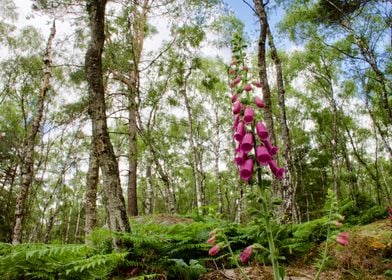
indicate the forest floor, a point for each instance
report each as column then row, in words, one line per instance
column 367, row 256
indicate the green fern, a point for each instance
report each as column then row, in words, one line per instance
column 42, row 261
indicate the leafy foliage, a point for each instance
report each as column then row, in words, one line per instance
column 39, row 261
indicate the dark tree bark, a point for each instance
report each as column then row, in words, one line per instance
column 27, row 166
column 91, row 191
column 149, row 190
column 115, row 203
column 262, row 63
column 289, row 187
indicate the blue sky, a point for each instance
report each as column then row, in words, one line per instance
column 246, row 15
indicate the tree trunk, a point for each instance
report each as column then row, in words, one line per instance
column 289, row 188
column 238, row 202
column 49, row 227
column 68, row 224
column 27, row 168
column 117, row 216
column 77, row 222
column 149, row 192
column 217, row 158
column 91, row 192
column 139, row 20
column 262, row 63
column 194, row 152
column 132, row 154
column 375, row 178
column 169, row 190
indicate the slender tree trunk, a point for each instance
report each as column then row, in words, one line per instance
column 217, row 158
column 132, row 157
column 68, row 224
column 77, row 222
column 49, row 226
column 169, row 188
column 370, row 57
column 350, row 170
column 194, row 151
column 91, row 192
column 289, row 188
column 115, row 203
column 335, row 138
column 262, row 63
column 375, row 178
column 149, row 192
column 27, row 168
column 139, row 21
column 383, row 134
column 238, row 202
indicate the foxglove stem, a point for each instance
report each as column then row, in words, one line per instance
column 325, row 253
column 234, row 258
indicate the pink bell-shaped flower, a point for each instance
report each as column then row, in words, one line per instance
column 237, row 80
column 247, row 142
column 214, row 250
column 236, row 121
column 342, row 238
column 246, row 170
column 259, row 102
column 249, row 115
column 246, row 254
column 234, row 97
column 278, row 172
column 273, row 150
column 236, row 107
column 240, row 132
column 211, row 240
column 240, row 158
column 248, row 87
column 262, row 155
column 257, row 84
column 232, row 71
column 262, row 131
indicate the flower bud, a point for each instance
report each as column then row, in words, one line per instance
column 259, row 102
column 214, row 250
column 342, row 238
column 248, row 87
column 211, row 240
column 236, row 107
column 246, row 254
column 257, row 84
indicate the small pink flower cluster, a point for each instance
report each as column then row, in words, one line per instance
column 342, row 237
column 244, row 256
column 390, row 213
column 214, row 249
column 246, row 127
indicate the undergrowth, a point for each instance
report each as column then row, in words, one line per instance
column 155, row 251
